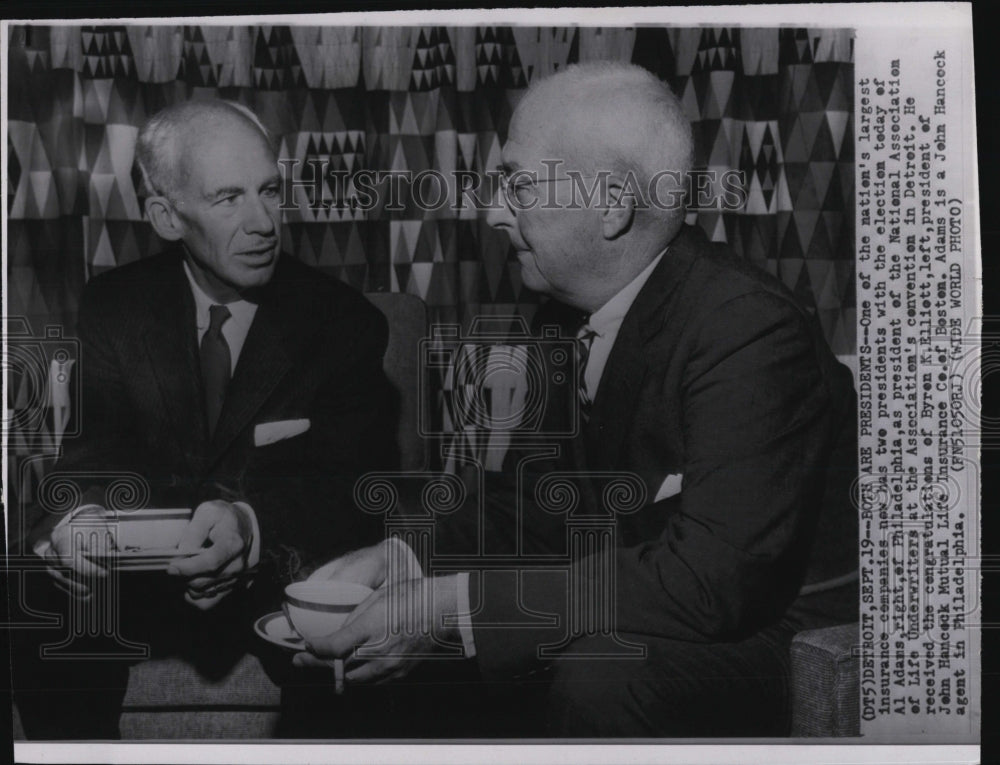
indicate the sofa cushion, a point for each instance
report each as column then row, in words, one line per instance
column 825, row 682
column 169, row 698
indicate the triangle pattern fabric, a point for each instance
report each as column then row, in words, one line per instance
column 774, row 105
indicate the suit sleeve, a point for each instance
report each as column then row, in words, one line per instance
column 109, row 446
column 306, row 511
column 756, row 420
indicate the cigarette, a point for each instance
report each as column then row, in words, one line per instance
column 338, row 676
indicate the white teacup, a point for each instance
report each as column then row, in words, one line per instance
column 319, row 608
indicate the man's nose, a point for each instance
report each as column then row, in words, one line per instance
column 499, row 214
column 260, row 217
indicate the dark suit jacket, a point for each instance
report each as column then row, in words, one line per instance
column 719, row 375
column 314, row 351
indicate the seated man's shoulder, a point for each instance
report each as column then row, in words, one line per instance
column 728, row 302
column 143, row 269
column 722, row 279
column 133, row 283
column 319, row 292
column 131, row 287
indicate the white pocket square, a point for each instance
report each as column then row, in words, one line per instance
column 269, row 432
column 670, row 487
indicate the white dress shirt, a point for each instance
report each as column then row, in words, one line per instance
column 606, row 321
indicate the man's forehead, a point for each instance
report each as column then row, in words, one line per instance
column 537, row 134
column 530, row 152
column 213, row 159
column 513, row 155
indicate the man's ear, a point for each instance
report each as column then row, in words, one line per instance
column 164, row 218
column 618, row 216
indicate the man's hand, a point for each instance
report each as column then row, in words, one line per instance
column 390, row 633
column 222, row 535
column 388, row 561
column 69, row 544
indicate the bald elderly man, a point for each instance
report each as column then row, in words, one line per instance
column 235, row 381
column 704, row 378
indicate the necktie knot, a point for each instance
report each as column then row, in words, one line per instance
column 586, row 335
column 585, row 339
column 217, row 316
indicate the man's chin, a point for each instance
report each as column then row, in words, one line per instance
column 530, row 277
column 256, row 275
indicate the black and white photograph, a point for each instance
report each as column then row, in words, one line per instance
column 539, row 377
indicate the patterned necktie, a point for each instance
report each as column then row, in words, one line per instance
column 216, row 364
column 584, row 340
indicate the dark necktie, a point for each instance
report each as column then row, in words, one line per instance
column 216, row 364
column 584, row 340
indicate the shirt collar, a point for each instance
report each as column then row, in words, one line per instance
column 609, row 316
column 241, row 311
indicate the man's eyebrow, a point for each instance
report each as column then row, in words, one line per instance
column 225, row 191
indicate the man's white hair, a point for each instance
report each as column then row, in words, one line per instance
column 158, row 147
column 634, row 122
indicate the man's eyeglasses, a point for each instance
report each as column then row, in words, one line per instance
column 517, row 187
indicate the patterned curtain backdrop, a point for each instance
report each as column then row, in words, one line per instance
column 775, row 104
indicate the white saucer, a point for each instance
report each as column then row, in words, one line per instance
column 275, row 629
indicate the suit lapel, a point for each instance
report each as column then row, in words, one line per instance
column 171, row 349
column 617, row 394
column 264, row 360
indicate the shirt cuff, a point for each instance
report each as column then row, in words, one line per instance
column 464, row 615
column 254, row 557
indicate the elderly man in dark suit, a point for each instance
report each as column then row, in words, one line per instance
column 704, row 379
column 235, row 381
